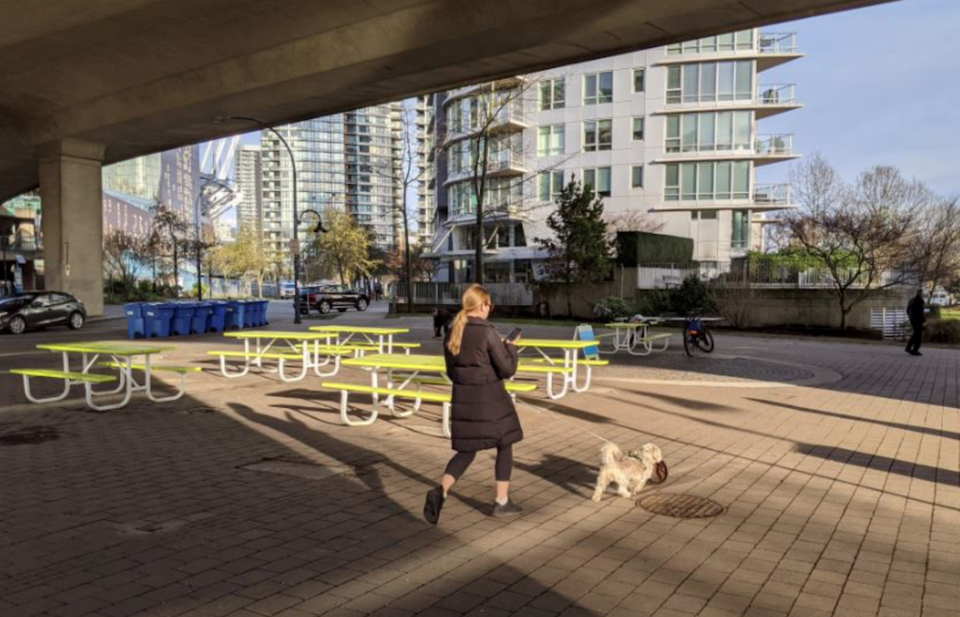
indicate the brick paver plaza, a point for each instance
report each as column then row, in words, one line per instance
column 837, row 463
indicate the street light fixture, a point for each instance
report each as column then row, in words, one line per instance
column 296, row 215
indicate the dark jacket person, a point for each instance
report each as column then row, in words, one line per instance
column 483, row 415
column 916, row 313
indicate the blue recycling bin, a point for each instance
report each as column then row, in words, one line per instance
column 218, row 319
column 262, row 311
column 201, row 317
column 158, row 318
column 233, row 320
column 249, row 313
column 182, row 318
column 135, row 324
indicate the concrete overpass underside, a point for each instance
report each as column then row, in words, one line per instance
column 88, row 82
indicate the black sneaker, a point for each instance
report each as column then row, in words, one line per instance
column 433, row 505
column 507, row 509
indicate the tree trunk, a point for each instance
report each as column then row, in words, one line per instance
column 406, row 254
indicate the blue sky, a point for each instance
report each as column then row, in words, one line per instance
column 879, row 85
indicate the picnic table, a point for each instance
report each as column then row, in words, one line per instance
column 568, row 368
column 402, row 371
column 304, row 347
column 380, row 338
column 627, row 335
column 121, row 358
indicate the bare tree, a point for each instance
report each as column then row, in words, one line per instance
column 123, row 258
column 860, row 233
column 170, row 237
column 935, row 246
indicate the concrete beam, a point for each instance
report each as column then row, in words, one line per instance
column 148, row 75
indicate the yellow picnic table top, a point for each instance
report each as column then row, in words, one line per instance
column 411, row 362
column 113, row 349
column 554, row 343
column 279, row 334
column 359, row 330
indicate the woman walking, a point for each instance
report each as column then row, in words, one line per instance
column 483, row 416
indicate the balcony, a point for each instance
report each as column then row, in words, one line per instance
column 499, row 164
column 774, row 48
column 773, row 148
column 772, row 196
column 510, row 119
column 775, row 98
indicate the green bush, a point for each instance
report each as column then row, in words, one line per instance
column 690, row 297
column 945, row 331
column 656, row 302
column 611, row 308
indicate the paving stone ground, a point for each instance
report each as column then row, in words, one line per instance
column 838, row 465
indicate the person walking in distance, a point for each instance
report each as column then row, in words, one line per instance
column 441, row 321
column 916, row 313
column 483, row 415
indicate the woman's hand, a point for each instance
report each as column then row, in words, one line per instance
column 512, row 342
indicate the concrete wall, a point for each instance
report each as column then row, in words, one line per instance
column 816, row 308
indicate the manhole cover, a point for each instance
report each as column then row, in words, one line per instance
column 29, row 435
column 680, row 506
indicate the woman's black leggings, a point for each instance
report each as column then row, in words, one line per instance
column 461, row 460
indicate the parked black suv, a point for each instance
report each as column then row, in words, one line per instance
column 37, row 309
column 325, row 298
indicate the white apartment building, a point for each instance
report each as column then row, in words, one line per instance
column 670, row 137
column 249, row 175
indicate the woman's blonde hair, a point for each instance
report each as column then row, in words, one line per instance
column 473, row 298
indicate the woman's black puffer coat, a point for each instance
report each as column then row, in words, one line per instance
column 483, row 415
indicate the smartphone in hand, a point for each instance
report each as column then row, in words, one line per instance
column 514, row 336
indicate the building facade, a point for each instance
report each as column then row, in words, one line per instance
column 349, row 162
column 669, row 137
column 21, row 244
column 250, row 187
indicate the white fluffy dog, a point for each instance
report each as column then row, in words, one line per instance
column 630, row 471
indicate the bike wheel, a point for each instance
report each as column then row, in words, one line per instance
column 689, row 343
column 705, row 341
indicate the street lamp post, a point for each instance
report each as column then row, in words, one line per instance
column 296, row 216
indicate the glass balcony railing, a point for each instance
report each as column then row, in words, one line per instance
column 771, row 194
column 777, row 43
column 776, row 94
column 774, row 145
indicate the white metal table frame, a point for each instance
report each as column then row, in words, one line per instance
column 122, row 359
column 627, row 335
column 571, row 351
column 310, row 359
column 375, row 364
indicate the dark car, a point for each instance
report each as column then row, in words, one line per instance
column 37, row 309
column 325, row 298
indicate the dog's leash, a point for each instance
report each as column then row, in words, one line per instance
column 562, row 419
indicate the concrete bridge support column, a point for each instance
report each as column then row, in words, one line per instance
column 71, row 194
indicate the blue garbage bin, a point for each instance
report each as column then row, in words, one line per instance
column 158, row 318
column 201, row 317
column 249, row 314
column 135, row 325
column 262, row 311
column 218, row 319
column 182, row 318
column 233, row 319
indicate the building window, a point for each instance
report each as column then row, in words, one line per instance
column 597, row 135
column 550, row 140
column 550, row 185
column 639, row 77
column 740, row 41
column 599, row 179
column 598, row 88
column 636, row 177
column 638, row 129
column 709, row 132
column 707, row 181
column 741, row 229
column 552, row 95
column 710, row 82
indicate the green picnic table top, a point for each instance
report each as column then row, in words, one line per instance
column 554, row 343
column 113, row 349
column 279, row 334
column 359, row 330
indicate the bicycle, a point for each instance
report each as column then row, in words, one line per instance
column 696, row 336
